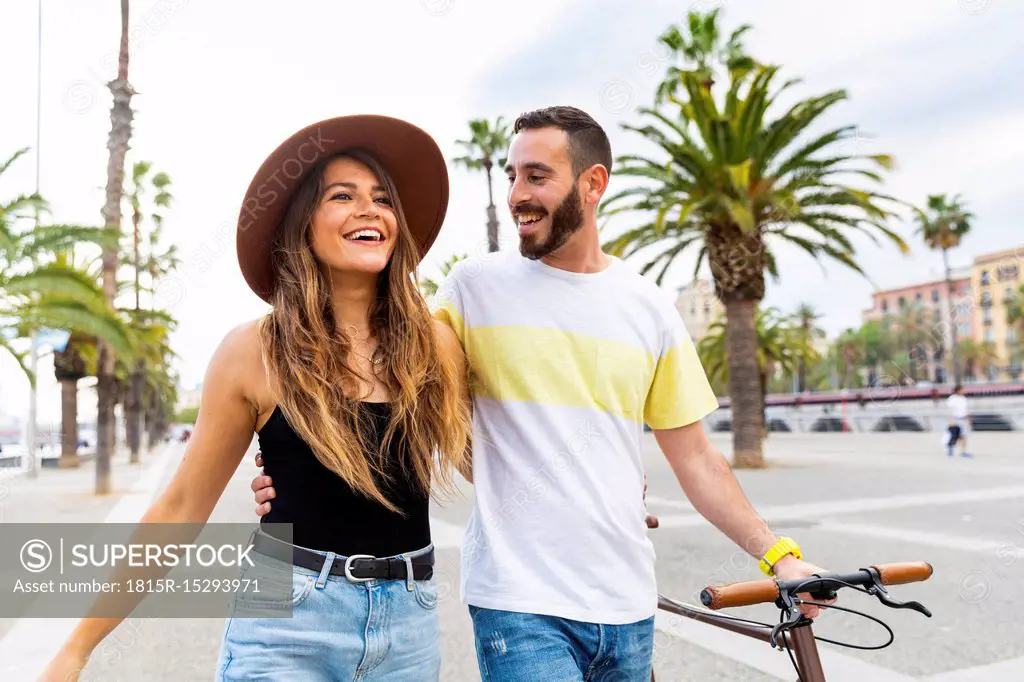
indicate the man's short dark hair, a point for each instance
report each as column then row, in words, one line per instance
column 588, row 143
column 958, row 388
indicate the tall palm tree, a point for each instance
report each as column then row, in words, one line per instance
column 162, row 198
column 700, row 46
column 943, row 225
column 806, row 317
column 120, row 135
column 485, row 148
column 159, row 385
column 732, row 181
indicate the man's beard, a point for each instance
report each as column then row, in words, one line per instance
column 565, row 222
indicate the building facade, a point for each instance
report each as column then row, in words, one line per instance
column 936, row 312
column 995, row 279
column 699, row 307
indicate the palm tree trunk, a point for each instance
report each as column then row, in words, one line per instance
column 133, row 413
column 954, row 321
column 136, row 219
column 117, row 144
column 492, row 214
column 745, row 393
column 68, row 424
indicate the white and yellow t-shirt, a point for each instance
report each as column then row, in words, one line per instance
column 565, row 370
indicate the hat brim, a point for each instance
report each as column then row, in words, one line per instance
column 408, row 153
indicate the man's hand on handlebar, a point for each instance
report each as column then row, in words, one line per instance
column 791, row 568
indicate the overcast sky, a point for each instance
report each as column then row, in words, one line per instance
column 220, row 84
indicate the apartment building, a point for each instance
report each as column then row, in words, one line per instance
column 995, row 279
column 699, row 307
column 936, row 311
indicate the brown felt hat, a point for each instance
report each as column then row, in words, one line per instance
column 409, row 154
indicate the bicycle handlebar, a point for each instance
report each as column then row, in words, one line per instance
column 765, row 591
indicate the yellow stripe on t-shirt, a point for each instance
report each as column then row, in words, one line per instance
column 449, row 314
column 554, row 367
column 680, row 393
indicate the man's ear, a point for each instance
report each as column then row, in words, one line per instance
column 595, row 182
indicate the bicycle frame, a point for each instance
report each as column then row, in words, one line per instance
column 800, row 639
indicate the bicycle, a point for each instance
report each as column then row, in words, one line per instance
column 794, row 632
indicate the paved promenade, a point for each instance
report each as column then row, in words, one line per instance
column 850, row 499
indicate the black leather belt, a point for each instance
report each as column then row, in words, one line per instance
column 357, row 567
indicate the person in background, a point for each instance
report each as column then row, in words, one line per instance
column 959, row 424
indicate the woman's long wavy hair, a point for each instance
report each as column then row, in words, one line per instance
column 306, row 356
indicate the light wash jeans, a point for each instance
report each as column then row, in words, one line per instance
column 514, row 646
column 338, row 630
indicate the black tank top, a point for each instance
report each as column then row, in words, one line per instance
column 326, row 514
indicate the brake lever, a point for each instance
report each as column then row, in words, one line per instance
column 796, row 618
column 878, row 590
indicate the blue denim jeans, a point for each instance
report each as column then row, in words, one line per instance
column 514, row 646
column 337, row 630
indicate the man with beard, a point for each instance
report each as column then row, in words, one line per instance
column 571, row 352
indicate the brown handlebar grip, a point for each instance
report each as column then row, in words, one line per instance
column 900, row 574
column 739, row 594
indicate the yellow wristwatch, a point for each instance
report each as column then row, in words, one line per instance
column 780, row 549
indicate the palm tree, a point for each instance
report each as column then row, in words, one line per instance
column 161, row 199
column 486, row 147
column 780, row 346
column 429, row 286
column 160, row 394
column 806, row 316
column 978, row 357
column 912, row 336
column 72, row 364
column 117, row 143
column 701, row 46
column 39, row 286
column 879, row 343
column 731, row 181
column 1015, row 321
column 51, row 289
column 942, row 226
column 849, row 354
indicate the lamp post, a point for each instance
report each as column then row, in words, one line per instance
column 34, row 350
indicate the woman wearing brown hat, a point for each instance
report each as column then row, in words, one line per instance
column 359, row 401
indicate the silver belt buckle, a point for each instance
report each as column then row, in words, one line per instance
column 348, row 567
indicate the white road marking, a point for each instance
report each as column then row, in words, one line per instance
column 29, row 646
column 923, row 538
column 760, row 656
column 865, row 504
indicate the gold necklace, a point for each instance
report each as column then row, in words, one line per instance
column 375, row 360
